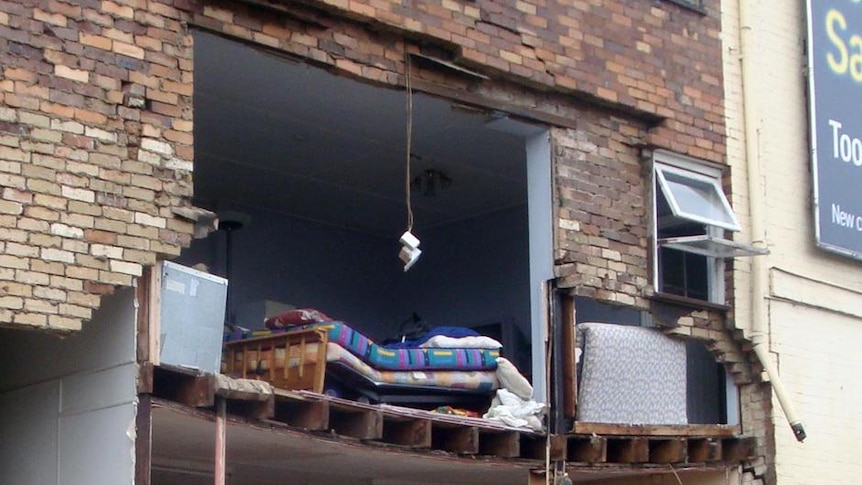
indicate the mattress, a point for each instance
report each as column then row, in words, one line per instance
column 336, row 354
column 631, row 375
column 396, row 359
column 474, row 380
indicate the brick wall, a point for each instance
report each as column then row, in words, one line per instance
column 96, row 147
column 95, row 152
column 96, row 117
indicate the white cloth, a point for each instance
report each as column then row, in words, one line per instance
column 475, row 342
column 514, row 405
column 511, row 410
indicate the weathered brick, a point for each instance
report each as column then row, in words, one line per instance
column 32, row 278
column 65, row 324
column 15, row 289
column 51, row 254
column 18, row 249
column 31, row 319
column 73, row 74
column 47, row 267
column 11, row 207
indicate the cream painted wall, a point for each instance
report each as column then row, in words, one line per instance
column 821, row 363
column 814, row 319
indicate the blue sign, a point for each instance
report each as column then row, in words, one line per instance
column 835, row 94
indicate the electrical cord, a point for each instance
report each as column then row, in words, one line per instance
column 407, row 187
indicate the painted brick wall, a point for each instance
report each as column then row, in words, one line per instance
column 813, row 317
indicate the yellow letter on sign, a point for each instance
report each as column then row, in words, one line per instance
column 834, row 17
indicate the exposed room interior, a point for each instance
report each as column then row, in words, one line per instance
column 308, row 169
column 314, row 165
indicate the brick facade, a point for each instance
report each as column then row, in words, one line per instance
column 96, row 120
column 95, row 152
column 96, row 126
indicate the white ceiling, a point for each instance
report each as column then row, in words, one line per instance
column 286, row 136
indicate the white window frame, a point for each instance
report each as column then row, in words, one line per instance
column 663, row 170
column 712, row 245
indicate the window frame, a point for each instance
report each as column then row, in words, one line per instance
column 694, row 5
column 700, row 172
column 662, row 169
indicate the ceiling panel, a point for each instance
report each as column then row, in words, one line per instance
column 292, row 138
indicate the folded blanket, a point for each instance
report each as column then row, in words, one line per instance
column 444, row 342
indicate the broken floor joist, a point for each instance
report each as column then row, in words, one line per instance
column 658, row 449
column 417, row 429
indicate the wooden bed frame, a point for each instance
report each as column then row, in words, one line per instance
column 309, row 369
column 307, row 374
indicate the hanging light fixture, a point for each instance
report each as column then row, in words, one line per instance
column 431, row 182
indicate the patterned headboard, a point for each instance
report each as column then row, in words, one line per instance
column 631, row 375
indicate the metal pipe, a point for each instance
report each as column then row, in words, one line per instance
column 759, row 336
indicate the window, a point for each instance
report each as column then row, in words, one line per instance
column 692, row 217
column 696, row 5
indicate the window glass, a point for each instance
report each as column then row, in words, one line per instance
column 695, row 197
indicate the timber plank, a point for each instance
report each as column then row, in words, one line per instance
column 306, row 414
column 144, row 379
column 186, row 386
column 463, row 440
column 144, row 440
column 198, row 391
column 738, row 449
column 588, row 449
column 415, row 433
column 535, row 447
column 628, row 450
column 570, row 378
column 252, row 409
column 363, row 424
column 668, row 450
column 728, row 430
column 505, row 444
column 702, row 450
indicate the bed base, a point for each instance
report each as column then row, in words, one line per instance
column 307, row 364
column 263, row 358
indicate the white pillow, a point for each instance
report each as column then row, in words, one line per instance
column 512, row 380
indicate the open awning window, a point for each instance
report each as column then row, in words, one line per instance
column 695, row 197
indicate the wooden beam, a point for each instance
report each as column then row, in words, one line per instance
column 628, row 450
column 738, row 449
column 702, row 450
column 588, row 449
column 505, row 444
column 570, row 379
column 142, row 322
column 186, row 386
column 144, row 440
column 667, row 450
column 463, row 440
column 559, row 447
column 415, row 433
column 310, row 415
column 581, row 427
column 363, row 424
column 154, row 310
column 197, row 391
column 257, row 410
column 144, row 380
column 533, row 447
